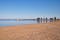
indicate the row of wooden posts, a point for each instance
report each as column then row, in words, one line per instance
column 40, row 20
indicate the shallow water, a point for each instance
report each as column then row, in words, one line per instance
column 21, row 22
column 11, row 23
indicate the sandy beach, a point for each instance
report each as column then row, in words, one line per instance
column 43, row 31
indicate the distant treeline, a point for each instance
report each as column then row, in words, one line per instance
column 37, row 19
column 42, row 20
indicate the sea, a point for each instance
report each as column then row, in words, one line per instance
column 14, row 22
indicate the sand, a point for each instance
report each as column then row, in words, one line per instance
column 43, row 31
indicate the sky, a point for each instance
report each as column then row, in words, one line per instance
column 29, row 8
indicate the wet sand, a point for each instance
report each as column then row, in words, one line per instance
column 43, row 31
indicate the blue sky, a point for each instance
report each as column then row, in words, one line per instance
column 29, row 8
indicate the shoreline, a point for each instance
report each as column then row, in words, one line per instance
column 26, row 24
column 44, row 31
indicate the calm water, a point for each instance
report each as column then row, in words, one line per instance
column 12, row 23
